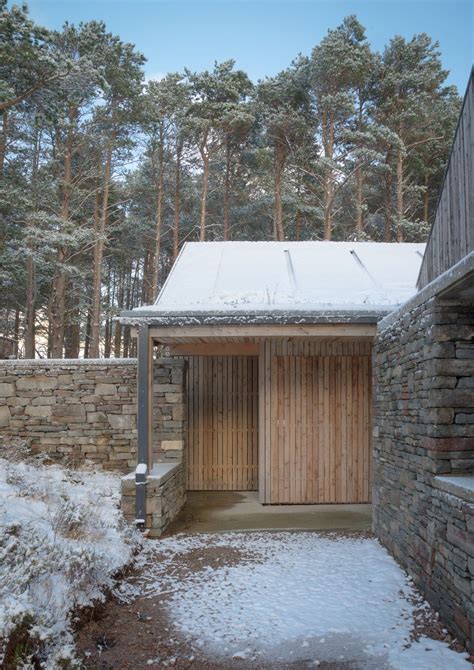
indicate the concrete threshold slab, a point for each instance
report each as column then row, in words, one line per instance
column 221, row 511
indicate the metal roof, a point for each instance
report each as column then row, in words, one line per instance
column 284, row 282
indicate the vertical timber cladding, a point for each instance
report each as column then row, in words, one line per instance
column 315, row 404
column 222, row 423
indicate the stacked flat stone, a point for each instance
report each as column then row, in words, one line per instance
column 85, row 410
column 424, row 427
column 165, row 497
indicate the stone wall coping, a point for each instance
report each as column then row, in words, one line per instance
column 159, row 473
column 65, row 362
column 442, row 283
column 82, row 362
column 461, row 486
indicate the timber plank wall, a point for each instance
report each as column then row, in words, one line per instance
column 294, row 422
column 315, row 421
column 452, row 233
column 222, row 423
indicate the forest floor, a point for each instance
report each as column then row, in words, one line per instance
column 298, row 600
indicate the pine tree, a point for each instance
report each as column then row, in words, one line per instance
column 216, row 104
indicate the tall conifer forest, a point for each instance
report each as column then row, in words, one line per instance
column 104, row 175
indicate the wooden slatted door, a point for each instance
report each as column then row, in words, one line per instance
column 222, row 450
column 319, row 430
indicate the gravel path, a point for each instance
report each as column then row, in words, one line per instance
column 268, row 600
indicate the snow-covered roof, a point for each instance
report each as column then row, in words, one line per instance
column 230, row 278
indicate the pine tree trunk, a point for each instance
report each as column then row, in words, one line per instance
column 147, row 287
column 227, row 193
column 57, row 308
column 298, row 218
column 72, row 344
column 30, row 308
column 158, row 218
column 99, row 254
column 400, row 203
column 328, row 143
column 30, row 312
column 387, row 232
column 328, row 205
column 177, row 202
column 126, row 341
column 3, row 141
column 359, row 171
column 359, row 198
column 279, row 166
column 16, row 331
column 108, row 323
column 135, row 285
column 426, row 201
column 204, row 192
column 107, row 337
column 117, row 340
column 128, row 305
column 72, row 332
column 58, row 289
column 118, row 326
column 87, row 337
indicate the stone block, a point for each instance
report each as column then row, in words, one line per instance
column 178, row 413
column 97, row 417
column 5, row 415
column 461, row 539
column 464, row 418
column 174, row 445
column 466, row 383
column 20, row 402
column 7, row 390
column 105, row 389
column 458, row 397
column 167, row 388
column 37, row 383
column 38, row 410
column 68, row 413
column 174, row 397
column 121, row 421
column 44, row 400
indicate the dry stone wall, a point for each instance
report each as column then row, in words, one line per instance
column 78, row 410
column 165, row 497
column 423, row 428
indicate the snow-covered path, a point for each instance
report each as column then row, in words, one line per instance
column 286, row 597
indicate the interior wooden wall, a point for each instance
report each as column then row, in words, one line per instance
column 222, row 423
column 315, row 423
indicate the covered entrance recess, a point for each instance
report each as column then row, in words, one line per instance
column 277, row 339
column 287, row 416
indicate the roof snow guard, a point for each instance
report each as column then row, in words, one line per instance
column 283, row 283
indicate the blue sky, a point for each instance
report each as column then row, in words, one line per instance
column 263, row 36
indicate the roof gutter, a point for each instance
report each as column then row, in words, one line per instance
column 290, row 317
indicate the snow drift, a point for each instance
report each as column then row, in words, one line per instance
column 62, row 540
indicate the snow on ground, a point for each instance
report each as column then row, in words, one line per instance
column 62, row 539
column 294, row 596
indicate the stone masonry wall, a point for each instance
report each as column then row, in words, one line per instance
column 423, row 427
column 165, row 497
column 77, row 410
